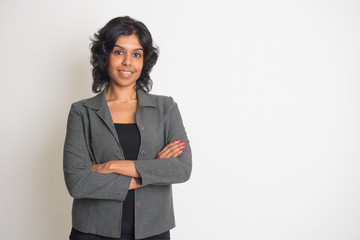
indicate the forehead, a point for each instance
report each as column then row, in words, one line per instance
column 131, row 41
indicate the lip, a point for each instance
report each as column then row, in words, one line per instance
column 125, row 73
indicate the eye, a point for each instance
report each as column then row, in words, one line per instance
column 137, row 55
column 118, row 52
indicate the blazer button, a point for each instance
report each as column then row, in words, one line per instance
column 142, row 153
column 138, row 204
column 142, row 128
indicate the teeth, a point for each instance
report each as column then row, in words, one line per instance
column 125, row 72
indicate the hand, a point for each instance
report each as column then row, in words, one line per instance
column 134, row 184
column 173, row 149
column 101, row 168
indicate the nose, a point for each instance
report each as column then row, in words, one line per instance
column 127, row 60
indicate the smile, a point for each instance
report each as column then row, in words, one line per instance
column 125, row 73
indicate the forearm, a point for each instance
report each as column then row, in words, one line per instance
column 165, row 171
column 84, row 184
column 124, row 167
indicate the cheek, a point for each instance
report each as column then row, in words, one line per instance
column 140, row 65
column 110, row 67
column 112, row 62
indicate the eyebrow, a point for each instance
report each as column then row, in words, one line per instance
column 124, row 48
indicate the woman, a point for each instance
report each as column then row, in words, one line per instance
column 124, row 147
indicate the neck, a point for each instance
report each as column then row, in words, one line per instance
column 122, row 94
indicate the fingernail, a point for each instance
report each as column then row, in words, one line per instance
column 181, row 150
column 177, row 140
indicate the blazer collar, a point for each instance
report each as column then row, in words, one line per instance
column 99, row 101
column 99, row 104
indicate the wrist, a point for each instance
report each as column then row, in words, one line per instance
column 110, row 165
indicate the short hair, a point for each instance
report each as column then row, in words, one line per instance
column 103, row 43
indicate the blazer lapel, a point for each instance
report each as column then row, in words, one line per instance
column 99, row 104
column 104, row 114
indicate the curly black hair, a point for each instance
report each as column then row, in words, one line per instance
column 103, row 43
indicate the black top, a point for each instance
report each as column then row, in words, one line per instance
column 129, row 138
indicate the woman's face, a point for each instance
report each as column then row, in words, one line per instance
column 126, row 61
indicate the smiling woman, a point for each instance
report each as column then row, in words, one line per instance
column 126, row 61
column 124, row 148
column 105, row 43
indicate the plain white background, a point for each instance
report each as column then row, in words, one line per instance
column 270, row 96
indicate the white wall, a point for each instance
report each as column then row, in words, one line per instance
column 270, row 96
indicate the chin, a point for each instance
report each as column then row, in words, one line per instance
column 122, row 83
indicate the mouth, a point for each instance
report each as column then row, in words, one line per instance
column 125, row 73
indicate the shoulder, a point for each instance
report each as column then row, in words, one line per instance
column 96, row 102
column 162, row 101
column 80, row 105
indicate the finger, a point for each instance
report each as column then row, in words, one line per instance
column 176, row 147
column 168, row 151
column 169, row 146
column 93, row 167
column 174, row 152
column 178, row 151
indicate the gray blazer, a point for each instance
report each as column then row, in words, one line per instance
column 91, row 138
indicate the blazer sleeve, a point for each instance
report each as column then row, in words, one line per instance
column 80, row 181
column 168, row 170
